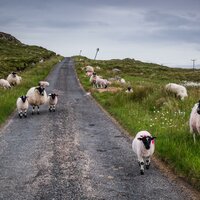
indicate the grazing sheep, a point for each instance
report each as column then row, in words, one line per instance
column 43, row 84
column 52, row 101
column 5, row 84
column 89, row 69
column 143, row 145
column 102, row 83
column 14, row 79
column 36, row 96
column 129, row 90
column 179, row 90
column 22, row 106
column 194, row 121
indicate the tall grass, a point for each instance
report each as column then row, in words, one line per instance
column 150, row 108
column 30, row 78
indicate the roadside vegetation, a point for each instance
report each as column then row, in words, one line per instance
column 151, row 108
column 23, row 59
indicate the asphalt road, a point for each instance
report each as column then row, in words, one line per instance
column 75, row 153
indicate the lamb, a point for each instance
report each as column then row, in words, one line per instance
column 143, row 145
column 52, row 101
column 43, row 84
column 5, row 84
column 36, row 96
column 22, row 106
column 179, row 90
column 194, row 121
column 14, row 79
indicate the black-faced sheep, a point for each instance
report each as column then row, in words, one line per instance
column 52, row 101
column 14, row 79
column 143, row 145
column 36, row 96
column 22, row 106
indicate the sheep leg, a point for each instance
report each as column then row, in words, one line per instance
column 25, row 114
column 194, row 138
column 20, row 114
column 33, row 110
column 54, row 108
column 38, row 111
column 141, row 164
column 148, row 161
column 50, row 108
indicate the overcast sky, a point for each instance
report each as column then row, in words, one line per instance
column 160, row 31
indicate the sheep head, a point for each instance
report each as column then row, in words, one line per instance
column 146, row 141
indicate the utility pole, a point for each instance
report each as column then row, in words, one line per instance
column 96, row 53
column 80, row 52
column 193, row 61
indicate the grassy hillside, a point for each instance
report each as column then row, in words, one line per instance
column 16, row 56
column 151, row 108
column 23, row 59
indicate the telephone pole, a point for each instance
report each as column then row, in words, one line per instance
column 96, row 53
column 193, row 61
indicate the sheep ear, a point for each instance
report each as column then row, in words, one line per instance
column 140, row 138
column 152, row 138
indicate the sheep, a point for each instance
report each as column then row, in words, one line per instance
column 179, row 90
column 14, row 79
column 36, row 96
column 43, row 84
column 102, row 83
column 52, row 101
column 129, row 90
column 22, row 106
column 5, row 84
column 194, row 121
column 143, row 145
column 89, row 74
column 122, row 81
column 89, row 69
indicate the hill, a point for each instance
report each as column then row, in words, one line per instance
column 16, row 56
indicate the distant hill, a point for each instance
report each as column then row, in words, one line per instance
column 8, row 37
column 16, row 56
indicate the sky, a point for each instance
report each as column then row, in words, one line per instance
column 166, row 32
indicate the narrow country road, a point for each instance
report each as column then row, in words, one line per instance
column 75, row 153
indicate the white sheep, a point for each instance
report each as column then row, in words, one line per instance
column 143, row 145
column 52, row 101
column 89, row 69
column 102, row 83
column 194, row 121
column 5, row 84
column 14, row 79
column 43, row 84
column 122, row 81
column 36, row 96
column 22, row 106
column 178, row 90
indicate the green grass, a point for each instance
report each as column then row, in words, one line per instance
column 150, row 108
column 15, row 56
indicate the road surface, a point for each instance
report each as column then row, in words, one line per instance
column 75, row 153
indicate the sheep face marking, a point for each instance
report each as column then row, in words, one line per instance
column 146, row 141
column 23, row 98
column 40, row 90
